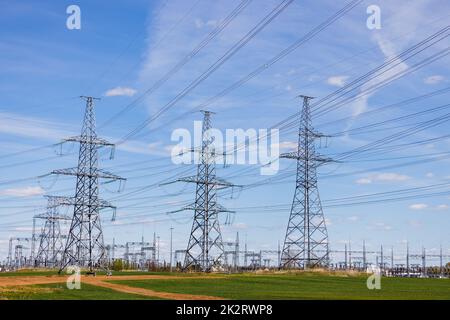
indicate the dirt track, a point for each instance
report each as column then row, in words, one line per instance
column 101, row 281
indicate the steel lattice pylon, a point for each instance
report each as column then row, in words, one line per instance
column 51, row 244
column 306, row 240
column 205, row 248
column 85, row 246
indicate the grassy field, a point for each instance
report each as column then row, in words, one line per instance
column 242, row 286
column 302, row 286
column 60, row 292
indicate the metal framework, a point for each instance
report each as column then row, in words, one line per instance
column 306, row 240
column 85, row 246
column 205, row 249
column 16, row 257
column 51, row 244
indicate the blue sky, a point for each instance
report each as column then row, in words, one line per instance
column 124, row 47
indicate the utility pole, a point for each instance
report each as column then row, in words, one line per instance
column 113, row 249
column 236, row 251
column 364, row 255
column 157, row 259
column 382, row 260
column 85, row 246
column 407, row 258
column 345, row 257
column 171, row 235
column 349, row 254
column 154, row 248
column 424, row 265
column 279, row 253
column 245, row 251
column 306, row 240
column 33, row 243
column 392, row 258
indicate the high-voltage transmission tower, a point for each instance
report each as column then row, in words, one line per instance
column 306, row 240
column 85, row 246
column 51, row 239
column 205, row 248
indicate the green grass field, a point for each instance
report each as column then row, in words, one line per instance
column 242, row 286
column 60, row 292
column 301, row 286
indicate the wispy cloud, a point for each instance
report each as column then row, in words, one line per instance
column 23, row 192
column 199, row 23
column 240, row 225
column 383, row 177
column 337, row 81
column 418, row 206
column 154, row 148
column 381, row 226
column 433, row 79
column 121, row 91
column 18, row 125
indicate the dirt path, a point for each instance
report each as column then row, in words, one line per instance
column 29, row 280
column 101, row 281
column 145, row 292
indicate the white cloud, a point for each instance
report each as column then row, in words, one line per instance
column 364, row 181
column 23, row 192
column 291, row 72
column 383, row 177
column 382, row 226
column 138, row 147
column 199, row 23
column 442, row 207
column 418, row 206
column 120, row 91
column 433, row 79
column 353, row 218
column 38, row 128
column 240, row 225
column 285, row 146
column 415, row 223
column 338, row 81
column 391, row 177
column 430, row 175
column 23, row 229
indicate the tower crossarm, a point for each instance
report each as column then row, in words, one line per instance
column 213, row 182
column 316, row 158
column 53, row 217
column 71, row 201
column 56, row 201
column 218, row 209
column 90, row 140
column 102, row 174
